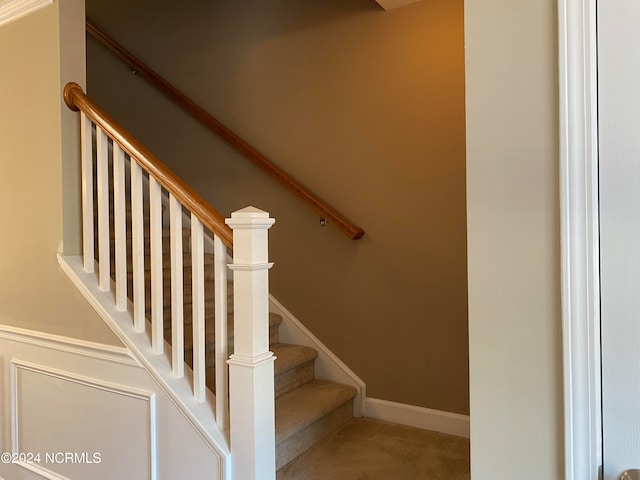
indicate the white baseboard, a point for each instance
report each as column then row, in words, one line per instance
column 419, row 417
column 328, row 366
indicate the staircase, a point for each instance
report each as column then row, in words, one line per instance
column 306, row 408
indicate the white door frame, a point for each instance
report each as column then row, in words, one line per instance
column 580, row 233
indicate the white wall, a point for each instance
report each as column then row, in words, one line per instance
column 513, row 240
column 36, row 53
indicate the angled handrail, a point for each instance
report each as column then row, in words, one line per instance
column 326, row 212
column 77, row 100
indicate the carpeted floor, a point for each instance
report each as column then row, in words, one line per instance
column 366, row 449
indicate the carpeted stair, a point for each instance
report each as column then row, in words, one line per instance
column 307, row 409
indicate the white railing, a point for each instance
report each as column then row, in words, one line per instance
column 125, row 190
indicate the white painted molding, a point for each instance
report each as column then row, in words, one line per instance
column 11, row 10
column 88, row 382
column 327, row 366
column 391, row 4
column 41, row 472
column 419, row 417
column 75, row 346
column 15, row 471
column 580, row 232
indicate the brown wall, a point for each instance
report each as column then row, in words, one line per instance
column 363, row 106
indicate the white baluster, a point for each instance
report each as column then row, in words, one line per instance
column 137, row 246
column 221, row 335
column 120, row 228
column 251, row 388
column 155, row 232
column 104, row 261
column 87, row 193
column 197, row 305
column 177, row 302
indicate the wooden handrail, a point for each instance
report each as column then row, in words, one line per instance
column 326, row 212
column 77, row 100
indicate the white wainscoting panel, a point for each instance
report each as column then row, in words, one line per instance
column 60, row 395
column 77, row 424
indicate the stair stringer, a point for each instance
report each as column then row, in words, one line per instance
column 327, row 365
column 201, row 416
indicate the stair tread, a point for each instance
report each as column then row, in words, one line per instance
column 289, row 356
column 308, row 403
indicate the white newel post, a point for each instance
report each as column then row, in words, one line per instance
column 251, row 390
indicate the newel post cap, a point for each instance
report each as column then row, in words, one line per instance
column 250, row 217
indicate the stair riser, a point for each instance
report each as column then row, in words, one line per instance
column 292, row 447
column 293, row 378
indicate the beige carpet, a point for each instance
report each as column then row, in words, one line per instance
column 366, row 449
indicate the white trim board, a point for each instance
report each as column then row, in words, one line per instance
column 69, row 345
column 89, row 382
column 580, row 232
column 11, row 10
column 17, row 471
column 419, row 417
